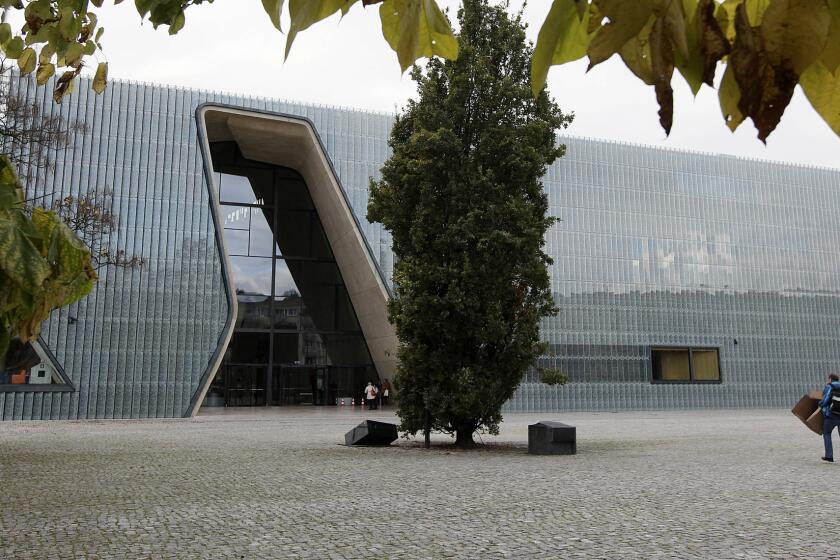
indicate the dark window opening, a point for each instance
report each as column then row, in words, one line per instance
column 685, row 365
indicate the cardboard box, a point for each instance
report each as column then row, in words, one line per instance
column 805, row 407
column 809, row 412
column 815, row 422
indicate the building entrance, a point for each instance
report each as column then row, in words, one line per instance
column 297, row 340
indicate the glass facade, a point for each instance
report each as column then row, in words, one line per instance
column 660, row 248
column 728, row 259
column 296, row 338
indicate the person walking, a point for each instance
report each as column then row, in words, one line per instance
column 830, row 405
column 370, row 395
column 386, row 392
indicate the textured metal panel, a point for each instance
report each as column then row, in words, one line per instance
column 662, row 247
column 655, row 247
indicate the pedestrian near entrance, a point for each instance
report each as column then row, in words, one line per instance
column 386, row 392
column 370, row 396
column 830, row 405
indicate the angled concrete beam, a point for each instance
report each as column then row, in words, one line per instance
column 291, row 141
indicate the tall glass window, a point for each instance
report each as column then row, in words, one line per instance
column 296, row 338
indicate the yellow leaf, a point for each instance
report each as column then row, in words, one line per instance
column 831, row 55
column 45, row 72
column 822, row 88
column 794, row 32
column 563, row 38
column 100, row 79
column 26, row 60
column 416, row 29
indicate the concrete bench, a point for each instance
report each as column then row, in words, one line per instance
column 552, row 438
column 371, row 432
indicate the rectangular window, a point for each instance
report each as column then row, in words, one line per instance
column 685, row 365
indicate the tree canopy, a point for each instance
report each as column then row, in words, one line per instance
column 767, row 46
column 462, row 196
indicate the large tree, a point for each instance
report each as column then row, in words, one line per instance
column 462, row 197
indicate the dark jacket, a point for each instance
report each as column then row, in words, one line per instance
column 826, row 393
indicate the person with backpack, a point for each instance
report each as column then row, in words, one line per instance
column 830, row 405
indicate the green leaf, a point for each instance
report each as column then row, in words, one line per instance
column 563, row 38
column 274, row 8
column 43, row 265
column 626, row 20
column 416, row 29
column 5, row 33
column 73, row 55
column 20, row 256
column 674, row 21
column 177, row 23
column 691, row 68
column 729, row 96
column 100, row 79
column 304, row 13
column 822, row 88
column 68, row 24
column 795, row 32
column 636, row 54
column 14, row 48
column 26, row 61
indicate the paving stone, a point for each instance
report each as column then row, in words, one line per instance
column 277, row 483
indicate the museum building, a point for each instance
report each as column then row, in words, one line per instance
column 684, row 280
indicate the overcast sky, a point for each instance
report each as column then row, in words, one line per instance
column 231, row 46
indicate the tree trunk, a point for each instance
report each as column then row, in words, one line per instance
column 464, row 438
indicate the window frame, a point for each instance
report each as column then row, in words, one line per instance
column 691, row 380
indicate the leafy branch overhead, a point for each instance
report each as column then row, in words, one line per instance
column 767, row 46
column 43, row 265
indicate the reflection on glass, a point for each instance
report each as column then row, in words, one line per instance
column 254, row 186
column 299, row 234
column 236, row 241
column 244, row 385
column 289, row 312
column 248, row 348
column 670, row 364
column 261, row 234
column 704, row 365
column 235, row 217
column 254, row 311
column 291, row 299
column 252, row 275
column 286, row 349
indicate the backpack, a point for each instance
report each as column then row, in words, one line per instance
column 833, row 404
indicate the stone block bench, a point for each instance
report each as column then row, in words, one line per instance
column 552, row 438
column 371, row 432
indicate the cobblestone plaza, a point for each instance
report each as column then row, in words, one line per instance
column 264, row 484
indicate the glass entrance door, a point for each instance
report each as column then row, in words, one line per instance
column 300, row 385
